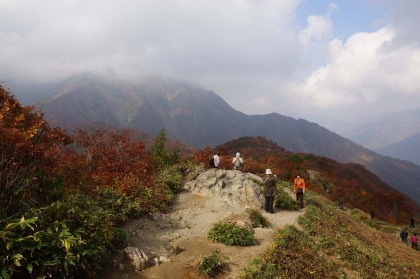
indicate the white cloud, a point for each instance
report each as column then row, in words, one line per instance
column 365, row 71
column 318, row 28
column 251, row 53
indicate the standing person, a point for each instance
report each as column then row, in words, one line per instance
column 299, row 189
column 412, row 222
column 414, row 240
column 237, row 162
column 270, row 190
column 372, row 214
column 216, row 160
column 404, row 235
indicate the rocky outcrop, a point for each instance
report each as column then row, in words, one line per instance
column 244, row 189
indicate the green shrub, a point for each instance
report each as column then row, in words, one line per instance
column 172, row 177
column 258, row 269
column 232, row 235
column 212, row 265
column 69, row 238
column 283, row 200
column 296, row 159
column 257, row 220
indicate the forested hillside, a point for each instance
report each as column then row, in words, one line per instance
column 351, row 184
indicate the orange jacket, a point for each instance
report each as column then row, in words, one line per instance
column 299, row 183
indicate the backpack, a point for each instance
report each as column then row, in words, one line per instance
column 237, row 163
column 211, row 162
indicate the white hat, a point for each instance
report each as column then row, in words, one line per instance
column 268, row 171
column 238, row 155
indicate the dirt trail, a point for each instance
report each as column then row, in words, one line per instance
column 184, row 229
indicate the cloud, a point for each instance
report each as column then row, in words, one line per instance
column 252, row 53
column 187, row 39
column 365, row 72
column 318, row 28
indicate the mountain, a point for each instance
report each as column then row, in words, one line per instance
column 199, row 117
column 407, row 149
column 382, row 130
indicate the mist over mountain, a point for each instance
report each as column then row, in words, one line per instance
column 381, row 130
column 199, row 117
column 407, row 149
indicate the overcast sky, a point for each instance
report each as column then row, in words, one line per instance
column 301, row 58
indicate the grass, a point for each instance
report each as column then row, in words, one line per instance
column 332, row 243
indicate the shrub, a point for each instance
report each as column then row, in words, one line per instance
column 212, row 265
column 171, row 176
column 283, row 200
column 257, row 220
column 232, row 235
column 69, row 238
column 259, row 269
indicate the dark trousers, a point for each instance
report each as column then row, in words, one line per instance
column 299, row 198
column 414, row 245
column 268, row 205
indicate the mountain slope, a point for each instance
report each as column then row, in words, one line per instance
column 408, row 149
column 352, row 184
column 199, row 117
column 382, row 130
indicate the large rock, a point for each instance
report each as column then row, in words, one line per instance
column 231, row 185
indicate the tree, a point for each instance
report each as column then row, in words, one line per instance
column 28, row 148
column 107, row 159
column 159, row 152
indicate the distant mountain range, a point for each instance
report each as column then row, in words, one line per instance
column 377, row 131
column 199, row 117
column 407, row 149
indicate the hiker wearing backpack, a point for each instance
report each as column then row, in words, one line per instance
column 299, row 189
column 215, row 160
column 270, row 190
column 404, row 235
column 237, row 162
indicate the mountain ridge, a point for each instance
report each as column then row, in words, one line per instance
column 200, row 117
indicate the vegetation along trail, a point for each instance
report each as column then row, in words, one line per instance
column 185, row 228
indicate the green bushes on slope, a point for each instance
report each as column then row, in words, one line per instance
column 330, row 245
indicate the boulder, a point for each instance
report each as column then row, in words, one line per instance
column 243, row 189
column 138, row 259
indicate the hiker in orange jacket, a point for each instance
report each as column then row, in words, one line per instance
column 299, row 188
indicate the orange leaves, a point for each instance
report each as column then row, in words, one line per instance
column 108, row 159
column 203, row 156
column 27, row 148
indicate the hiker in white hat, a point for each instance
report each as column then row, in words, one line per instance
column 270, row 190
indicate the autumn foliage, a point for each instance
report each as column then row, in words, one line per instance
column 106, row 159
column 351, row 184
column 28, row 150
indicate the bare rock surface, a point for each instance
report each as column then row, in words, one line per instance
column 176, row 240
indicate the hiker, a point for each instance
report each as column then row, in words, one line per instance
column 372, row 214
column 299, row 189
column 414, row 240
column 237, row 162
column 404, row 235
column 270, row 190
column 412, row 223
column 215, row 161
